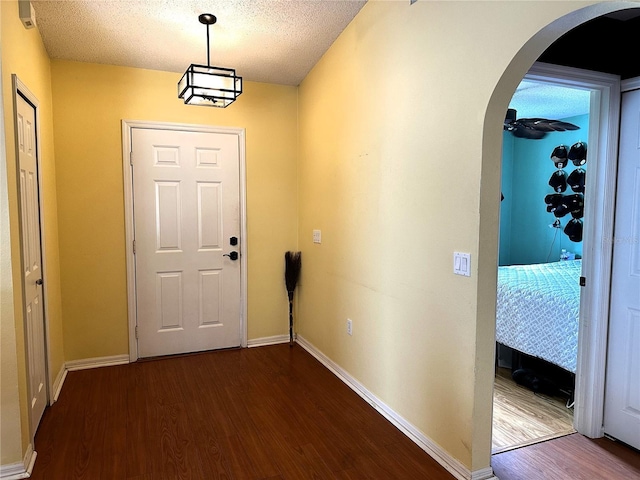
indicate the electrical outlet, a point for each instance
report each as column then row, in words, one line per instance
column 349, row 327
column 317, row 236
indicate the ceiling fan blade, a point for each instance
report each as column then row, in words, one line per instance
column 534, row 128
column 546, row 125
column 560, row 126
column 522, row 131
column 538, row 124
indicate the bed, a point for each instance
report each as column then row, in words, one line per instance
column 537, row 310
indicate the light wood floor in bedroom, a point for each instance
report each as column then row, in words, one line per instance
column 521, row 417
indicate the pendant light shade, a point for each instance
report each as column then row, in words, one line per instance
column 211, row 86
column 207, row 85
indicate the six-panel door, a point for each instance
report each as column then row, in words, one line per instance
column 32, row 258
column 186, row 209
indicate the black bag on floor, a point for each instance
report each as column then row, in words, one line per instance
column 539, row 384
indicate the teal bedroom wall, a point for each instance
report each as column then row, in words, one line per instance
column 525, row 235
column 504, row 255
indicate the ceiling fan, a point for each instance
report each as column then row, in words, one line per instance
column 534, row 128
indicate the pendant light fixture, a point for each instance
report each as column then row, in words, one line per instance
column 207, row 85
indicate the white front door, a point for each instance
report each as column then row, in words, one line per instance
column 622, row 391
column 186, row 194
column 32, row 258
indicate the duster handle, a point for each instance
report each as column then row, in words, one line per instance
column 290, row 323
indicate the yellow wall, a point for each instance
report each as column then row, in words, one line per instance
column 391, row 169
column 387, row 152
column 23, row 54
column 89, row 103
column 10, row 417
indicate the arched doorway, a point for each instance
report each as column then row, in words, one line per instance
column 593, row 330
column 546, row 331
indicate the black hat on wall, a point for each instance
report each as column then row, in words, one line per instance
column 556, row 204
column 559, row 156
column 578, row 213
column 573, row 230
column 576, row 180
column 553, row 201
column 578, row 153
column 558, row 181
column 575, row 204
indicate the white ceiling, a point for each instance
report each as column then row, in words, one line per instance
column 273, row 41
column 542, row 100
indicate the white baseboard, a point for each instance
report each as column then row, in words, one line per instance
column 19, row 470
column 58, row 382
column 484, row 474
column 453, row 466
column 84, row 364
column 96, row 362
column 264, row 341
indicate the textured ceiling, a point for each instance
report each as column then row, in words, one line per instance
column 542, row 100
column 274, row 41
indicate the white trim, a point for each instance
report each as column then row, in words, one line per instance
column 20, row 470
column 58, row 382
column 19, row 88
column 453, row 466
column 599, row 210
column 244, row 236
column 630, row 84
column 96, row 362
column 483, row 474
column 127, row 126
column 129, row 236
column 264, row 341
column 85, row 364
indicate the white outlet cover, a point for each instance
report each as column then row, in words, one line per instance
column 317, row 236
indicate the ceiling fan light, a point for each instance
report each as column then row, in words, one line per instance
column 209, row 86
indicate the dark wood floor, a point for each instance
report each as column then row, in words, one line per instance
column 263, row 413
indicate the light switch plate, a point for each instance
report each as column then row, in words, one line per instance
column 462, row 264
column 317, row 236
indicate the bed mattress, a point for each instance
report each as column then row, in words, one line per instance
column 538, row 310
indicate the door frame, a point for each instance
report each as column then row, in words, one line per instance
column 604, row 114
column 127, row 127
column 20, row 89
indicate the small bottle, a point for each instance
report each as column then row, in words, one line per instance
column 563, row 255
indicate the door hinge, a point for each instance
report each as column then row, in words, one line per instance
column 131, row 158
column 136, row 332
column 134, row 247
column 583, row 281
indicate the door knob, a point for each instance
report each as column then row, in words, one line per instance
column 232, row 255
column 39, row 281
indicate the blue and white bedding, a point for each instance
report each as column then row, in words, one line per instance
column 537, row 310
